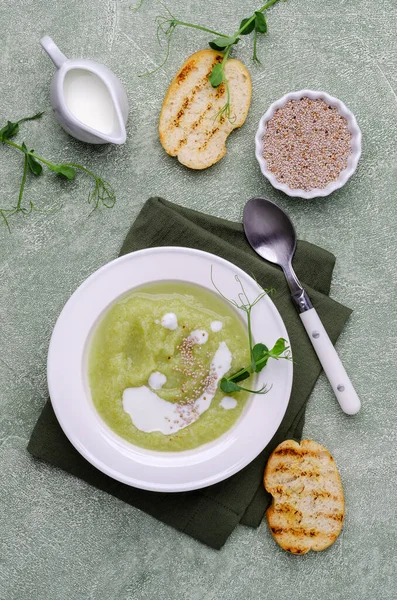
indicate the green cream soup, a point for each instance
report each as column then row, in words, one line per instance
column 170, row 340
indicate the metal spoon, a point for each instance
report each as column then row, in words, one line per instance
column 272, row 235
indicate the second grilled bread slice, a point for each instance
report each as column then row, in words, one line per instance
column 308, row 507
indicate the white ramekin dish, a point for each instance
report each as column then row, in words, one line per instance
column 351, row 162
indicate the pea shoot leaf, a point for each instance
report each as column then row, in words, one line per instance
column 215, row 47
column 240, row 377
column 260, row 353
column 34, row 166
column 250, row 27
column 220, row 43
column 279, row 348
column 260, row 22
column 217, row 75
column 101, row 193
column 9, row 130
column 228, row 386
column 65, row 170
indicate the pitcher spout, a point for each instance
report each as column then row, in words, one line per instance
column 119, row 135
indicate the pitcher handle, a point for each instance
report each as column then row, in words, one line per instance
column 57, row 57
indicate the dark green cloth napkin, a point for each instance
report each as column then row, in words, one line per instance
column 211, row 514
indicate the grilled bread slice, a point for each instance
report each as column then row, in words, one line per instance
column 188, row 127
column 308, row 506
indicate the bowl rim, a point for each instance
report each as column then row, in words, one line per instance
column 352, row 161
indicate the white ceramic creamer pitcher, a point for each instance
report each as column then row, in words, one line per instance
column 88, row 99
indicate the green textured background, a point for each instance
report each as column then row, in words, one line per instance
column 61, row 539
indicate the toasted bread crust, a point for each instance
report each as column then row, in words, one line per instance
column 307, row 510
column 187, row 126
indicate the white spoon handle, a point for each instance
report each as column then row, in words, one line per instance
column 331, row 363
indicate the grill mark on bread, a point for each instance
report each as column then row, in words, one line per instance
column 194, row 126
column 209, row 107
column 197, row 88
column 185, row 72
column 297, row 453
column 282, row 467
column 197, row 122
column 210, row 135
column 288, row 509
column 323, row 494
column 316, row 494
column 189, row 99
column 309, row 474
column 185, row 105
column 296, row 531
column 177, row 121
column 336, row 517
column 289, row 514
column 187, row 102
column 182, row 143
column 220, row 90
column 287, row 452
column 201, row 117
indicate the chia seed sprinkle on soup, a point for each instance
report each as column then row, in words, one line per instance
column 307, row 144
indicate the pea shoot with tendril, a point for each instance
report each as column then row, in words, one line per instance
column 101, row 193
column 259, row 353
column 167, row 23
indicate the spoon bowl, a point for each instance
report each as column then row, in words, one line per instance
column 269, row 230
